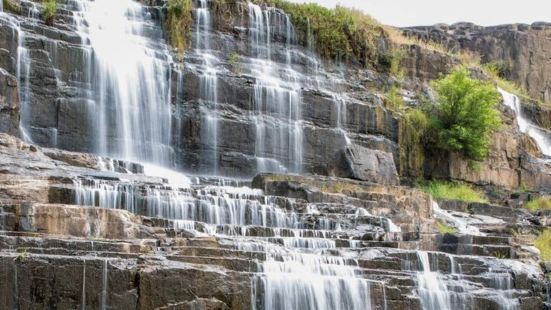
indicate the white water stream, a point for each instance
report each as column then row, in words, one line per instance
column 542, row 137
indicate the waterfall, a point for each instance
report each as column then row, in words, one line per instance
column 104, row 288
column 83, row 294
column 304, row 281
column 433, row 290
column 440, row 291
column 129, row 70
column 539, row 135
column 208, row 85
column 277, row 95
column 461, row 225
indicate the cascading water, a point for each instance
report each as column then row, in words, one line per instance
column 129, row 71
column 208, row 84
column 542, row 137
column 450, row 290
column 277, row 95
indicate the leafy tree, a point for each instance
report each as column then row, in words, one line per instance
column 465, row 116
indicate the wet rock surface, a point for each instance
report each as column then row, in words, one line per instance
column 58, row 253
column 78, row 230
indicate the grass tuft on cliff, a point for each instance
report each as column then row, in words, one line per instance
column 541, row 203
column 339, row 34
column 543, row 243
column 49, row 10
column 452, row 191
column 179, row 22
column 444, row 228
column 497, row 72
column 12, row 6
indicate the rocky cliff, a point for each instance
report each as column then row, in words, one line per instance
column 293, row 195
column 521, row 51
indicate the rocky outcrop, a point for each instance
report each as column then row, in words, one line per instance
column 425, row 64
column 119, row 256
column 371, row 165
column 9, row 103
column 521, row 51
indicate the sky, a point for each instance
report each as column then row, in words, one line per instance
column 428, row 12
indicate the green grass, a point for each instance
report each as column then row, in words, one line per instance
column 444, row 228
column 48, row 11
column 453, row 191
column 339, row 34
column 541, row 203
column 543, row 243
column 495, row 72
column 12, row 6
column 233, row 60
column 179, row 23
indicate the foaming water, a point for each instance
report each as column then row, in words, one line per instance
column 292, row 280
column 130, row 77
column 208, row 86
column 277, row 96
column 461, row 225
column 542, row 137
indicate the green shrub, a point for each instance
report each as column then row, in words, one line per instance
column 465, row 116
column 541, row 203
column 543, row 243
column 179, row 23
column 49, row 10
column 444, row 228
column 453, row 191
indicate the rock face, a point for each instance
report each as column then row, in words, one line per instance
column 79, row 237
column 521, row 50
column 372, row 165
column 250, row 126
column 9, row 103
column 85, row 231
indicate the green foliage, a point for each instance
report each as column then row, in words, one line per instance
column 543, row 243
column 12, row 6
column 541, row 203
column 394, row 99
column 396, row 63
column 179, row 23
column 233, row 60
column 465, row 115
column 413, row 128
column 338, row 33
column 444, row 228
column 452, row 191
column 49, row 10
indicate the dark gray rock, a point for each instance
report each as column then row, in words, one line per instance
column 371, row 165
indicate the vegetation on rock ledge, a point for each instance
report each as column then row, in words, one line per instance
column 12, row 6
column 541, row 203
column 452, row 191
column 48, row 11
column 465, row 115
column 543, row 243
column 340, row 33
column 444, row 228
column 179, row 22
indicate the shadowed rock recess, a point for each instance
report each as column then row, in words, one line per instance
column 293, row 195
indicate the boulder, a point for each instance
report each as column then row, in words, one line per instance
column 371, row 165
